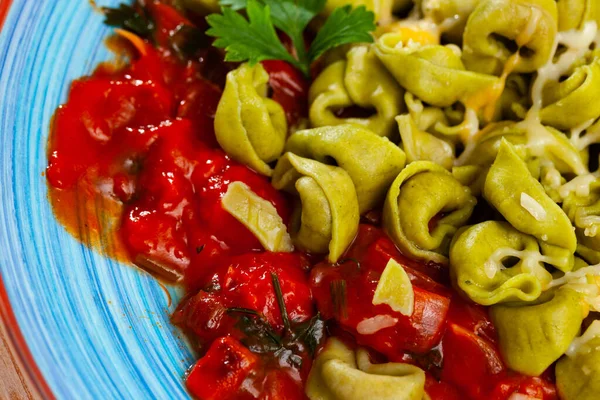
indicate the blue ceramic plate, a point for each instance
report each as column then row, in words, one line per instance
column 85, row 326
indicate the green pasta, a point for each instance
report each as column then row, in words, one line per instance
column 583, row 209
column 372, row 162
column 250, row 127
column 573, row 101
column 339, row 373
column 455, row 11
column 521, row 199
column 492, row 262
column 423, row 146
column 327, row 220
column 358, row 80
column 532, row 337
column 497, row 29
column 573, row 14
column 433, row 73
column 555, row 147
column 578, row 373
column 436, row 192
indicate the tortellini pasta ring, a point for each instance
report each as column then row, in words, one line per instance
column 372, row 162
column 250, row 127
column 478, row 255
column 433, row 73
column 578, row 372
column 529, row 24
column 420, row 193
column 339, row 373
column 522, row 200
column 532, row 337
column 575, row 100
column 358, row 80
column 327, row 220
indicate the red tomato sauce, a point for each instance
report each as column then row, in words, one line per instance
column 134, row 170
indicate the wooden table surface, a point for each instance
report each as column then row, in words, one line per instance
column 14, row 384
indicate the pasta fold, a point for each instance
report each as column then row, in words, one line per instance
column 572, row 14
column 532, row 337
column 433, row 73
column 372, row 162
column 449, row 12
column 339, row 373
column 423, row 146
column 492, row 262
column 424, row 193
column 574, row 100
column 578, row 373
column 583, row 209
column 327, row 217
column 358, row 80
column 497, row 29
column 250, row 127
column 522, row 200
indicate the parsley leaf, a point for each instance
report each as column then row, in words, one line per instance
column 129, row 18
column 344, row 25
column 253, row 41
column 292, row 17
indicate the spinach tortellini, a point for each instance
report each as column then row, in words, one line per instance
column 250, row 127
column 359, row 80
column 339, row 373
column 327, row 219
column 573, row 14
column 522, row 200
column 372, row 162
column 574, row 100
column 497, row 29
column 423, row 146
column 533, row 336
column 492, row 262
column 552, row 144
column 422, row 195
column 433, row 73
column 455, row 11
column 578, row 373
column 582, row 206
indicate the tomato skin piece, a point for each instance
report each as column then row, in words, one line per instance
column 471, row 363
column 219, row 374
column 441, row 390
column 472, row 317
column 279, row 385
column 290, row 89
column 418, row 333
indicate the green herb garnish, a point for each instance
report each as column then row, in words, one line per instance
column 255, row 39
column 280, row 302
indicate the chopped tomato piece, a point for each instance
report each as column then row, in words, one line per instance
column 470, row 362
column 472, row 317
column 219, row 374
column 441, row 390
column 290, row 89
column 345, row 292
